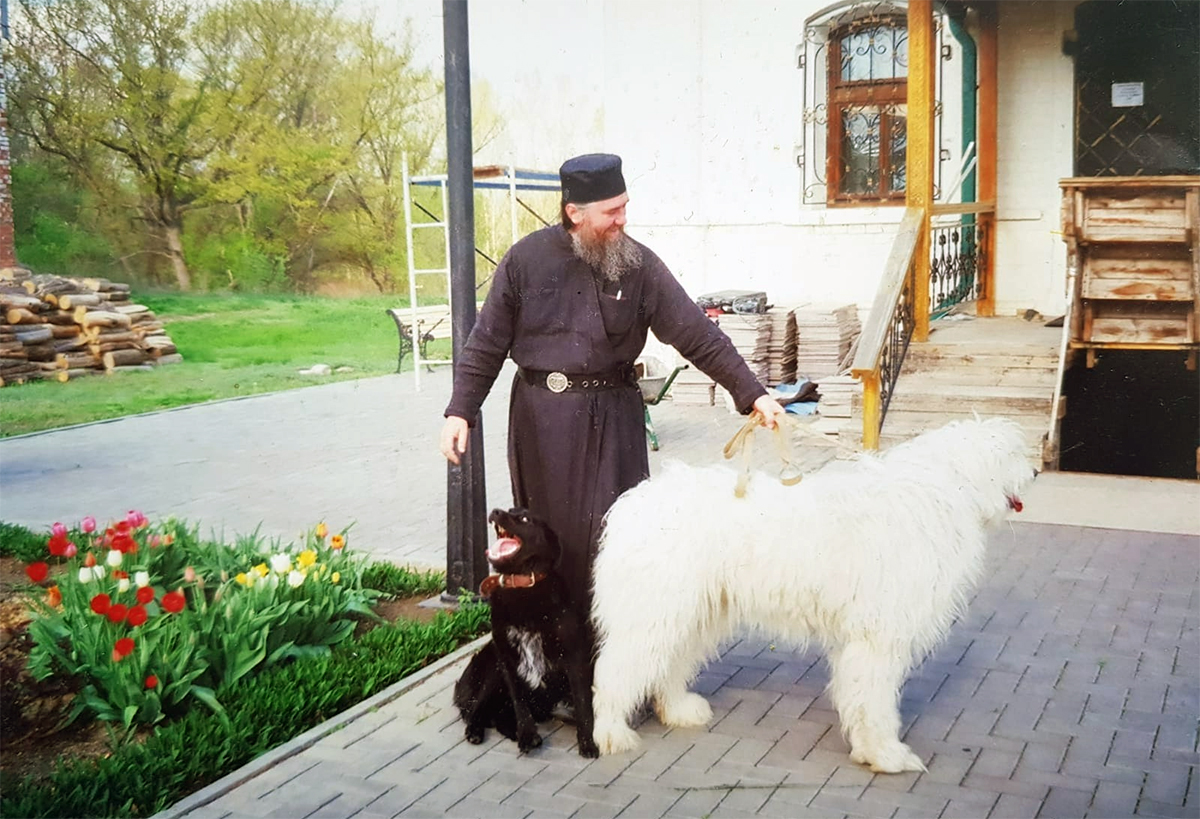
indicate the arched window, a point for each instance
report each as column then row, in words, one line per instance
column 854, row 109
column 868, row 89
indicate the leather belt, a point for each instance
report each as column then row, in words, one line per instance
column 579, row 382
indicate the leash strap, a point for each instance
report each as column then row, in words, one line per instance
column 789, row 473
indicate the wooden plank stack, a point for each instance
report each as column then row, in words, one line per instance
column 824, row 336
column 58, row 327
column 781, row 354
column 751, row 337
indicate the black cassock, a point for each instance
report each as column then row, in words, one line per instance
column 570, row 454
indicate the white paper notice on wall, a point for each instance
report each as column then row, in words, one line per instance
column 1127, row 94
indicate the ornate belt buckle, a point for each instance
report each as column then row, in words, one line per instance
column 557, row 382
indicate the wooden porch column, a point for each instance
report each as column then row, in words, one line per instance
column 919, row 155
column 986, row 148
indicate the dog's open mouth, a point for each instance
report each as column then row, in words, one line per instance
column 505, row 546
column 1014, row 503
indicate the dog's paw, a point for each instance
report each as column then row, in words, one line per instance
column 888, row 757
column 474, row 734
column 587, row 746
column 615, row 737
column 687, row 711
column 528, row 741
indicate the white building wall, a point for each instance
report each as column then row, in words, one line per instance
column 703, row 102
column 1035, row 137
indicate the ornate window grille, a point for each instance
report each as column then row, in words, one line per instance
column 854, row 60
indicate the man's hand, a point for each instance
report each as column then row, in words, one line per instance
column 770, row 410
column 454, row 437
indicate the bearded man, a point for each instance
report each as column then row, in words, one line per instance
column 572, row 305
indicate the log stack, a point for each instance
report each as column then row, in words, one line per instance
column 59, row 327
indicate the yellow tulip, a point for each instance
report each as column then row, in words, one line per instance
column 322, row 530
column 336, row 577
column 261, row 570
column 306, row 558
column 337, row 542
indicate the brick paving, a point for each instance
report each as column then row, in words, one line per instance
column 1070, row 689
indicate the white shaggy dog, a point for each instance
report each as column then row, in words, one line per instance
column 871, row 559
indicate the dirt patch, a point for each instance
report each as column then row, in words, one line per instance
column 32, row 711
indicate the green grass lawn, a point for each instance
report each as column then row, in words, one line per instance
column 232, row 345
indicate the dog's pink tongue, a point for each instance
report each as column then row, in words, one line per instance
column 503, row 547
column 1014, row 503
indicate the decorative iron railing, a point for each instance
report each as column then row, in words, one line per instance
column 959, row 247
column 957, row 258
column 884, row 340
column 959, row 269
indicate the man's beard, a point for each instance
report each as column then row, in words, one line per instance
column 610, row 258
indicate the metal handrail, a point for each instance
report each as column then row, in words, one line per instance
column 884, row 339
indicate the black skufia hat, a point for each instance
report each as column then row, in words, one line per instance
column 591, row 178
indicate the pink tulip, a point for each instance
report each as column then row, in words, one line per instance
column 136, row 519
column 88, row 525
column 71, row 550
column 58, row 530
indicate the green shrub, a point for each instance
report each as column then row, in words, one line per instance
column 391, row 580
column 19, row 542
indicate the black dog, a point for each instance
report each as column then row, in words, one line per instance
column 541, row 648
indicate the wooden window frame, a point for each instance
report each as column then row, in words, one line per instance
column 845, row 93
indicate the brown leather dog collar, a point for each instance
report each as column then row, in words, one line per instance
column 508, row 581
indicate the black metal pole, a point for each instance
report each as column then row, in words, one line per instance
column 466, row 499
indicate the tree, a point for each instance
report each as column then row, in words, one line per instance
column 112, row 88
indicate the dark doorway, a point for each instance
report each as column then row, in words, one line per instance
column 1133, row 413
column 1137, row 88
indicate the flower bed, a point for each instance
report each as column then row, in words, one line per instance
column 151, row 622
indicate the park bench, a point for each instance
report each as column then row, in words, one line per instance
column 432, row 322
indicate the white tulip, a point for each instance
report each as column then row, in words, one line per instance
column 281, row 563
column 141, row 578
column 98, row 572
column 85, row 574
column 295, row 579
column 114, row 558
column 123, row 585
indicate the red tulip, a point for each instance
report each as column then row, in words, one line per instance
column 117, row 612
column 123, row 648
column 57, row 545
column 37, row 571
column 101, row 603
column 173, row 601
column 152, row 681
column 145, row 594
column 136, row 616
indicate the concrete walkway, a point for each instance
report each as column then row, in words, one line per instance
column 1072, row 688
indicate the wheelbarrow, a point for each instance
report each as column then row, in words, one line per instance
column 654, row 384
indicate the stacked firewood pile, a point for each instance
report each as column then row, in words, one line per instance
column 62, row 328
